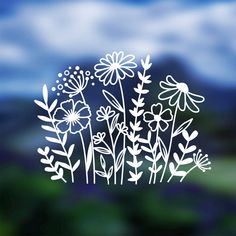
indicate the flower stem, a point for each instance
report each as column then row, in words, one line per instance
column 85, row 159
column 124, row 136
column 91, row 138
column 135, row 122
column 183, row 155
column 56, row 170
column 113, row 149
column 170, row 145
column 62, row 145
column 188, row 173
column 154, row 156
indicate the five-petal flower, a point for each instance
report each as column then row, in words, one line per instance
column 72, row 117
column 158, row 118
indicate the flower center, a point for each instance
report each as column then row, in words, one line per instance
column 72, row 117
column 182, row 87
column 114, row 66
column 157, row 118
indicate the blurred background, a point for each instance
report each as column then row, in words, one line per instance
column 195, row 41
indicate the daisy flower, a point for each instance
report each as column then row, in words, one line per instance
column 104, row 113
column 72, row 117
column 99, row 137
column 157, row 118
column 202, row 162
column 115, row 66
column 179, row 95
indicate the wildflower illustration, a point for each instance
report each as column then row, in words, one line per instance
column 134, row 144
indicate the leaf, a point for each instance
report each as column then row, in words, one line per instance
column 50, row 169
column 102, row 150
column 149, row 158
column 61, row 153
column 193, row 135
column 185, row 135
column 174, row 172
column 146, row 149
column 112, row 100
column 120, row 158
column 114, row 122
column 172, row 168
column 182, row 148
column 155, row 171
column 64, row 139
column 55, row 177
column 48, row 128
column 44, row 118
column 110, row 172
column 52, row 140
column 142, row 140
column 41, row 151
column 70, row 151
column 134, row 177
column 46, row 150
column 182, row 127
column 102, row 161
column 186, row 161
column 41, row 104
column 53, row 105
column 45, row 161
column 100, row 173
column 45, row 94
column 76, row 165
column 62, row 164
column 176, row 157
column 59, row 176
column 89, row 157
column 191, row 149
column 163, row 150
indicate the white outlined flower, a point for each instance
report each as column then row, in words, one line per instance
column 72, row 117
column 202, row 162
column 115, row 66
column 122, row 128
column 99, row 137
column 104, row 113
column 178, row 95
column 158, row 118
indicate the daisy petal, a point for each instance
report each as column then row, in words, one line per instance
column 127, row 58
column 127, row 71
column 105, row 62
column 196, row 98
column 167, row 94
column 171, row 80
column 165, row 85
column 175, row 98
column 182, row 102
column 191, row 105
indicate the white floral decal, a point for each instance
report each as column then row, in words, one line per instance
column 119, row 152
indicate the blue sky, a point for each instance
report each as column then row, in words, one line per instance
column 38, row 38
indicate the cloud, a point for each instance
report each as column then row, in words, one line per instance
column 201, row 36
